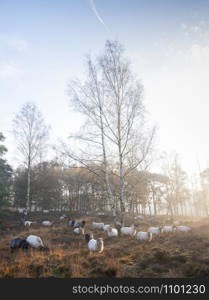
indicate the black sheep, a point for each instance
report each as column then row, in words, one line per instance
column 19, row 243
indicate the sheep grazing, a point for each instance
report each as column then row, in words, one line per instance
column 97, row 225
column 19, row 243
column 63, row 217
column 105, row 227
column 183, row 228
column 144, row 236
column 35, row 241
column 112, row 232
column 28, row 223
column 128, row 230
column 47, row 223
column 94, row 245
column 155, row 230
column 78, row 230
column 168, row 229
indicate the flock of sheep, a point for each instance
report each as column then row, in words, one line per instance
column 132, row 231
column 95, row 245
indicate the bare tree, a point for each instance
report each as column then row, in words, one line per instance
column 31, row 135
column 111, row 99
column 124, row 115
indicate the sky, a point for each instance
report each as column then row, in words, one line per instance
column 43, row 44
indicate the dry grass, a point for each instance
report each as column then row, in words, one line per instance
column 169, row 255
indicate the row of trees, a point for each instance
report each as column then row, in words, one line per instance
column 109, row 157
column 76, row 189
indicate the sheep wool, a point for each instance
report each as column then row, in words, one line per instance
column 97, row 225
column 34, row 241
column 112, row 232
column 168, row 228
column 78, row 230
column 155, row 230
column 183, row 228
column 96, row 245
column 47, row 223
column 128, row 230
column 145, row 236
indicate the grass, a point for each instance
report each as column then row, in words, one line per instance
column 167, row 255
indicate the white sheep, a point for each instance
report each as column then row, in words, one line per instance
column 63, row 217
column 28, row 223
column 97, row 225
column 105, row 227
column 183, row 228
column 95, row 245
column 168, row 229
column 128, row 230
column 144, row 236
column 47, row 223
column 112, row 232
column 35, row 241
column 155, row 230
column 78, row 230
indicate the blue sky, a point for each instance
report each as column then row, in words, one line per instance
column 43, row 45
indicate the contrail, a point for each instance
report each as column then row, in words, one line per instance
column 93, row 8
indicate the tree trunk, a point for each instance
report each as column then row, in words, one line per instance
column 154, row 202
column 28, row 200
column 150, row 212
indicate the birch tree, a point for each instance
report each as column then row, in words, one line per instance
column 31, row 136
column 111, row 99
column 124, row 115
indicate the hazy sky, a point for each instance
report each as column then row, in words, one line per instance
column 43, row 45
